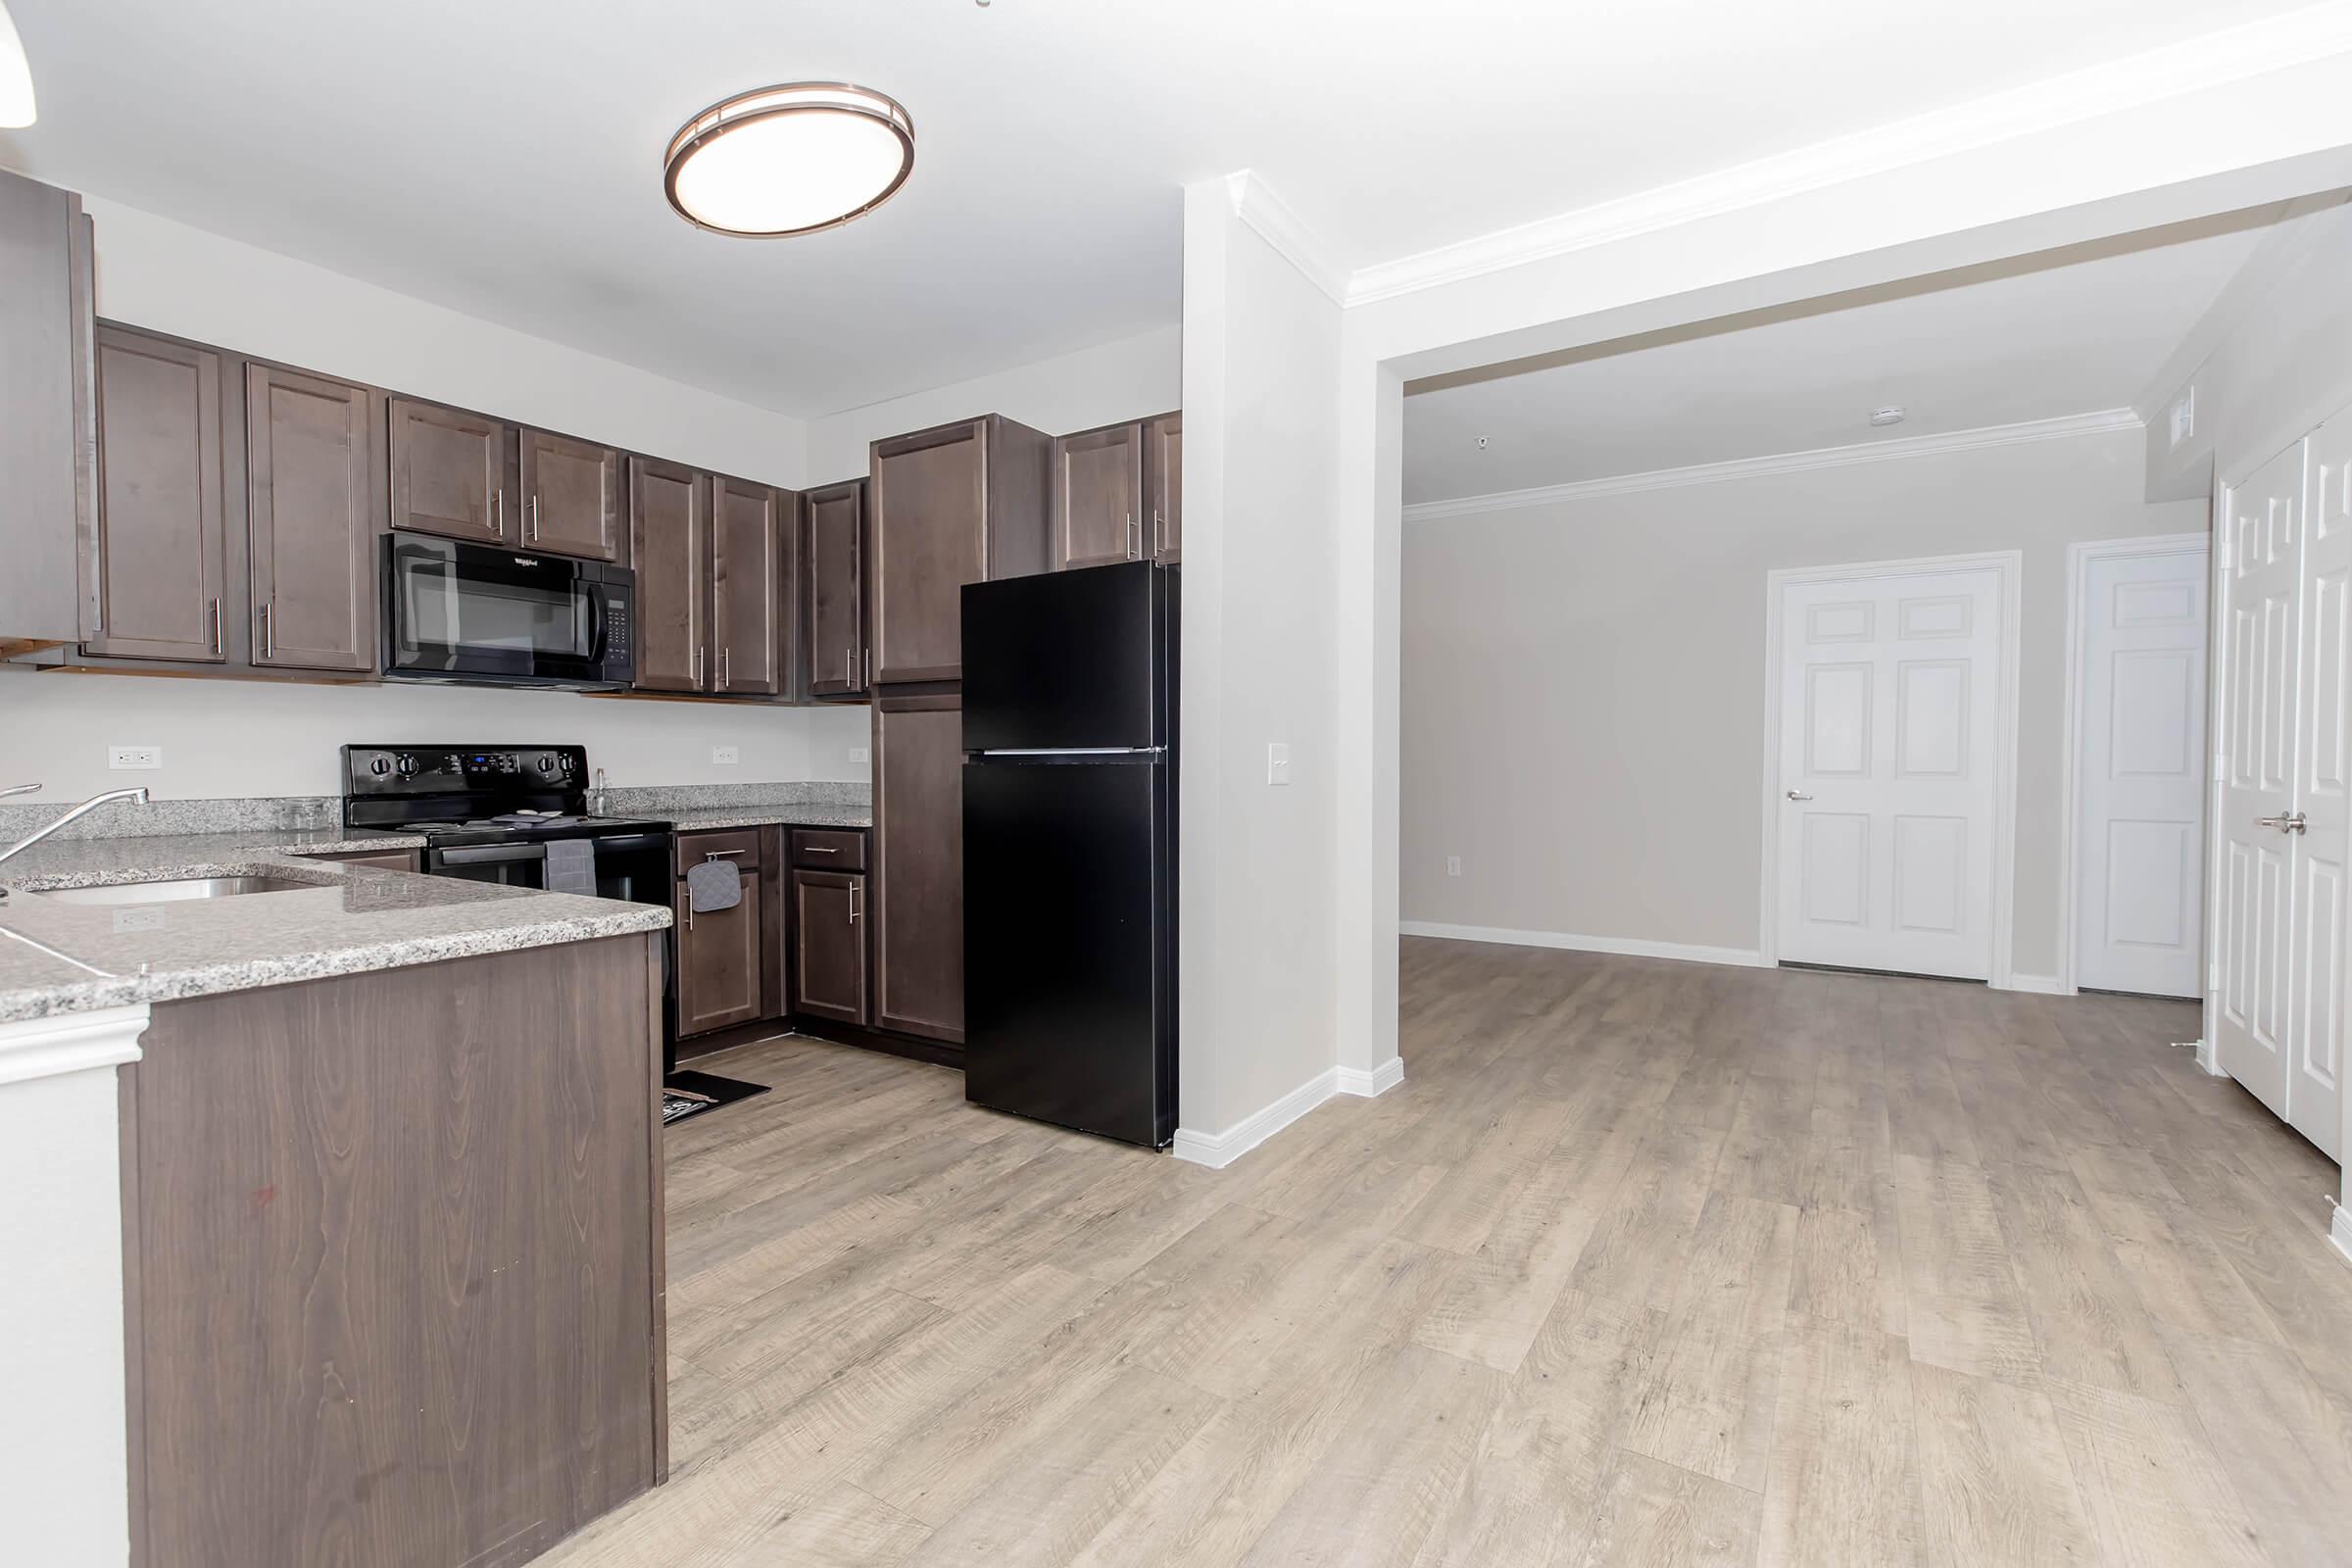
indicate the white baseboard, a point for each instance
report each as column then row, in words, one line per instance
column 1219, row 1149
column 2039, row 984
column 2340, row 1230
column 2212, row 1064
column 1379, row 1081
column 1628, row 947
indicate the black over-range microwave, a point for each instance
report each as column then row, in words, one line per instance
column 480, row 614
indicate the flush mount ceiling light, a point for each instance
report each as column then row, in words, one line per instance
column 789, row 159
column 1893, row 413
column 16, row 77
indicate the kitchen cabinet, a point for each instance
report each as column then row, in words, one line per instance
column 1163, row 485
column 453, row 474
column 48, row 508
column 721, row 954
column 961, row 503
column 828, row 961
column 919, row 863
column 670, row 550
column 155, row 563
column 834, row 567
column 1099, row 496
column 750, row 587
column 313, row 477
column 571, row 496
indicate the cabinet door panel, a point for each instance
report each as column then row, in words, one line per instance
column 48, row 508
column 156, row 569
column 918, row 866
column 571, row 497
column 929, row 500
column 1099, row 496
column 670, row 550
column 449, row 473
column 835, row 568
column 828, row 970
column 310, row 519
column 1163, row 485
column 720, row 961
column 747, row 576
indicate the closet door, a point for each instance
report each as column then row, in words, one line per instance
column 2262, row 579
column 2321, row 921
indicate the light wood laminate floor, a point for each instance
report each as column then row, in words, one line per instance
column 1645, row 1263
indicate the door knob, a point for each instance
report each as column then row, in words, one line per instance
column 1794, row 795
column 2291, row 822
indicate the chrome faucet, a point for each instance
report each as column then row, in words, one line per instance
column 84, row 809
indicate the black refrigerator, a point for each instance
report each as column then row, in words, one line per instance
column 1069, row 849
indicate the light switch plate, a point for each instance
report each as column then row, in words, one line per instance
column 120, row 757
column 724, row 756
column 1278, row 763
column 1453, row 865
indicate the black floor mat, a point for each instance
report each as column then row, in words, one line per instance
column 690, row 1094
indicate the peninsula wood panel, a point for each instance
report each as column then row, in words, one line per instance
column 313, row 479
column 157, row 563
column 395, row 1251
column 669, row 548
column 571, row 496
column 918, row 864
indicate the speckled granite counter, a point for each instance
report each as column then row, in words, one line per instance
column 694, row 808
column 797, row 813
column 58, row 957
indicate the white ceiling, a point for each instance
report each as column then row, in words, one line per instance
column 2068, row 332
column 500, row 155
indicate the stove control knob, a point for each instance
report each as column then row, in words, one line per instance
column 382, row 765
column 406, row 763
column 548, row 764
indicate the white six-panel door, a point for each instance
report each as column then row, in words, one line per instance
column 1890, row 701
column 2139, row 909
column 2323, row 776
column 2262, row 563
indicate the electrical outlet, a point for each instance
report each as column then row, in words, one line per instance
column 1278, row 763
column 860, row 757
column 120, row 757
column 724, row 756
column 2184, row 417
column 1453, row 865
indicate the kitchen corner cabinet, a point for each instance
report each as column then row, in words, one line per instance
column 669, row 548
column 833, row 565
column 48, row 508
column 961, row 503
column 571, row 496
column 453, row 474
column 154, row 566
column 716, row 586
column 1163, row 486
column 722, row 954
column 313, row 476
column 919, row 863
column 752, row 536
column 1098, row 497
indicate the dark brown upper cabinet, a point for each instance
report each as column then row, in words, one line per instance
column 670, row 550
column 961, row 503
column 571, row 497
column 828, row 959
column 1098, row 497
column 834, row 565
column 154, row 564
column 1163, row 485
column 48, row 418
column 750, row 587
column 453, row 474
column 313, row 480
column 918, row 864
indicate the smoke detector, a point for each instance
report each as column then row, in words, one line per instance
column 1892, row 414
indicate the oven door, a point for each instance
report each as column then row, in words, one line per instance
column 456, row 611
column 514, row 865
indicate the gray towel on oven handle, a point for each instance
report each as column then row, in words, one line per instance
column 572, row 866
column 713, row 886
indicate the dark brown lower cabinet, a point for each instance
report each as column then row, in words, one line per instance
column 828, row 961
column 393, row 1262
column 919, row 863
column 720, row 959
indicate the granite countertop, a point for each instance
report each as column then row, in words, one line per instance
column 59, row 958
column 786, row 813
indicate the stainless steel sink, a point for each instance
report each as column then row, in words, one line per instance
column 199, row 887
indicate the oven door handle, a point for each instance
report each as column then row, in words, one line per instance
column 631, row 841
column 490, row 854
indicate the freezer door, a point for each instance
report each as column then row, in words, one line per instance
column 1064, row 660
column 1069, row 1002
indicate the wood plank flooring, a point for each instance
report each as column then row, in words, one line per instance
column 1645, row 1263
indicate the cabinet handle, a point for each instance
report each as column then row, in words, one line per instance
column 869, row 669
column 499, row 514
column 1132, row 537
column 819, row 849
column 693, row 668
column 269, row 634
column 690, row 912
column 722, row 669
column 534, row 518
column 212, row 613
column 852, row 904
column 848, row 679
column 719, row 855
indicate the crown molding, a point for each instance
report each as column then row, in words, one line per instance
column 1256, row 205
column 2100, row 423
column 2191, row 66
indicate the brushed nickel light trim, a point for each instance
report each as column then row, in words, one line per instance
column 767, row 106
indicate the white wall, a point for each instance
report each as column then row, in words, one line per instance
column 1126, row 380
column 1260, row 356
column 1582, row 709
